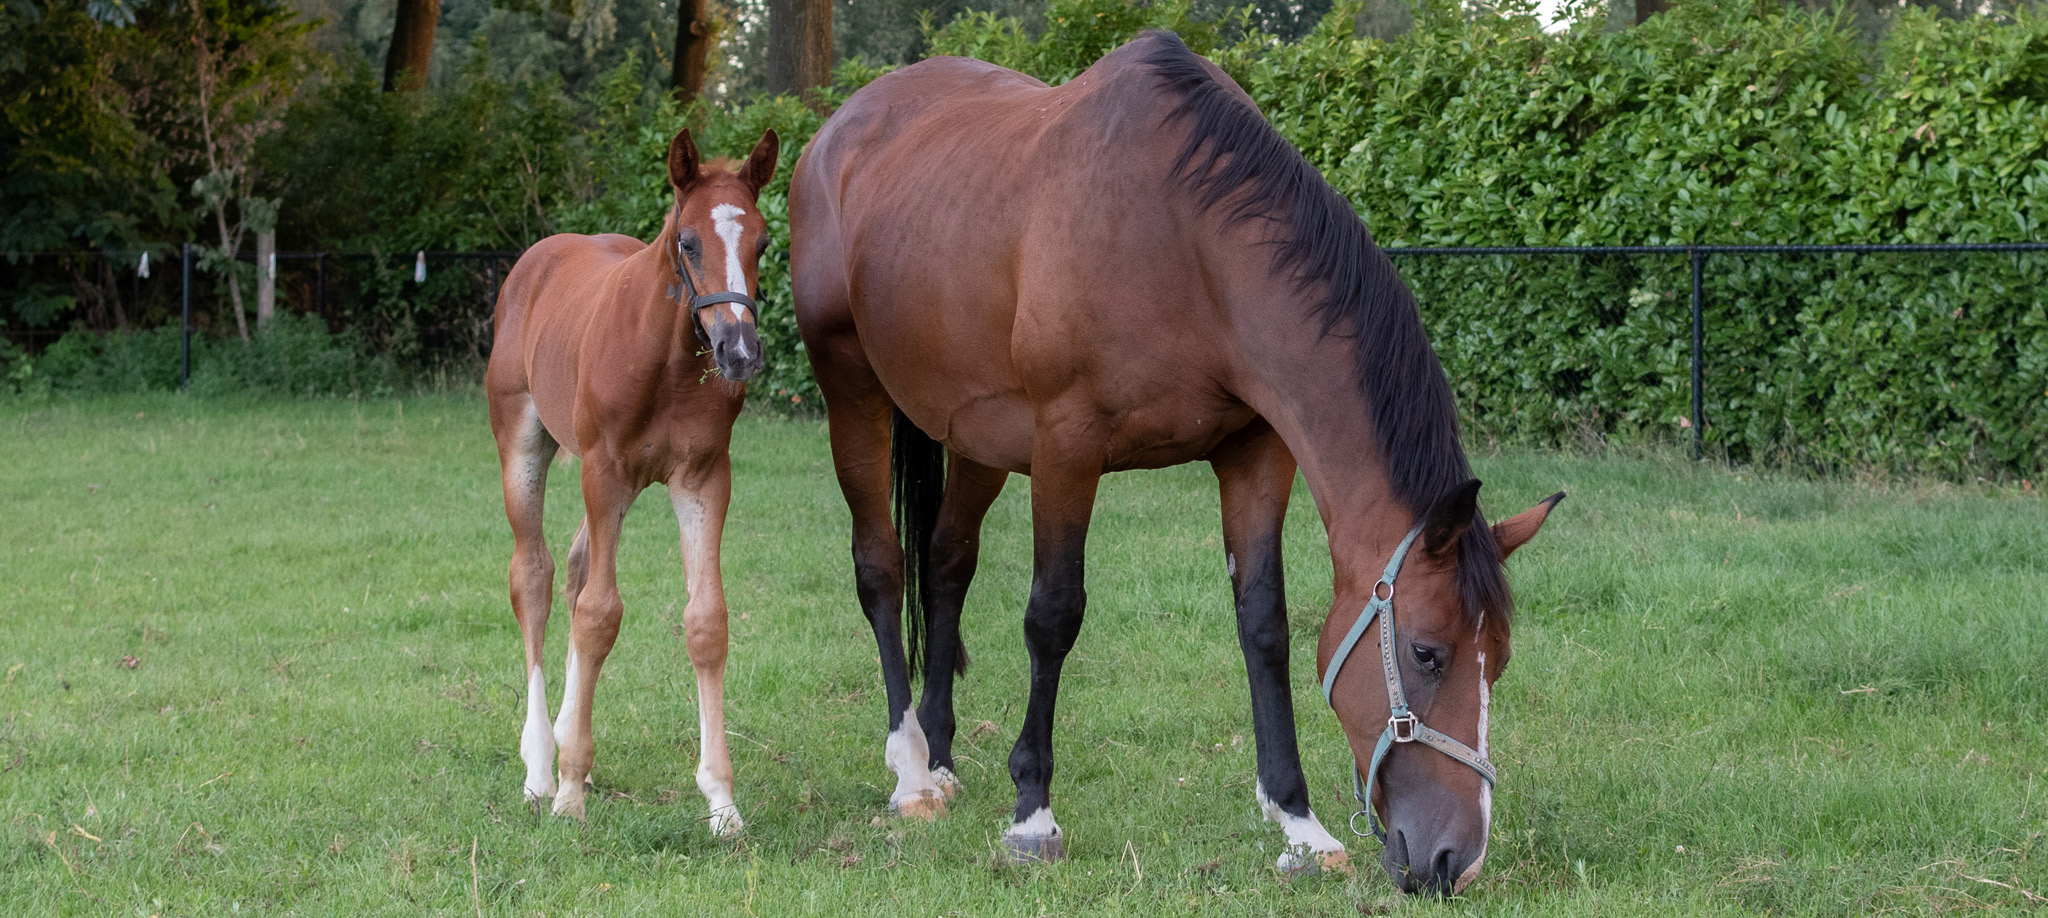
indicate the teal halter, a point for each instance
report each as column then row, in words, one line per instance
column 1402, row 725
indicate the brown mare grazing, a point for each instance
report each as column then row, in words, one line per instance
column 1130, row 271
column 605, row 349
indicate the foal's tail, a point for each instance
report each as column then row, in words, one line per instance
column 918, row 476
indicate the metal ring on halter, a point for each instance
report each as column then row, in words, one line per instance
column 1389, row 584
column 1353, row 824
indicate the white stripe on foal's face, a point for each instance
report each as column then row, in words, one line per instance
column 725, row 221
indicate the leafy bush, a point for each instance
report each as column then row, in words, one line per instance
column 1710, row 124
column 292, row 356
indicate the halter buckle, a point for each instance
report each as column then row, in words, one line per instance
column 1403, row 725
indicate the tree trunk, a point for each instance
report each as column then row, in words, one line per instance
column 1647, row 8
column 412, row 45
column 799, row 45
column 266, row 278
column 230, row 243
column 693, row 50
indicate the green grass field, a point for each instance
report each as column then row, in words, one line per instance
column 258, row 659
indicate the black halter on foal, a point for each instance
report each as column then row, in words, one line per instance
column 697, row 302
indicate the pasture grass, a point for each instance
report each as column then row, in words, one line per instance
column 258, row 659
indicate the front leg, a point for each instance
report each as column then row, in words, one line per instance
column 700, row 498
column 1255, row 472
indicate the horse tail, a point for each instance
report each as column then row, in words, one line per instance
column 917, row 475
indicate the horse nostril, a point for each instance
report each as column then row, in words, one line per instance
column 1443, row 867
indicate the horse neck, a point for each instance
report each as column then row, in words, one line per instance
column 654, row 323
column 1306, row 385
column 1325, row 424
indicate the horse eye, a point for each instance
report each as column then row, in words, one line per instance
column 1427, row 658
column 690, row 242
column 761, row 245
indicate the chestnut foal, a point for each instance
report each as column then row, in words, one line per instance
column 632, row 357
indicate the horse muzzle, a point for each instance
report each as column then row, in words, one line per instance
column 1433, row 858
column 736, row 347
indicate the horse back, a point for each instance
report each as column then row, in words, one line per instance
column 1025, row 237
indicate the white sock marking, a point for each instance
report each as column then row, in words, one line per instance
column 1306, row 837
column 537, row 741
column 907, row 754
column 1040, row 825
column 570, row 701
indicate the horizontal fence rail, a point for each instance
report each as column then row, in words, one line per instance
column 444, row 310
column 1697, row 255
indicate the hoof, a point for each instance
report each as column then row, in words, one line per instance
column 1034, row 849
column 925, row 808
column 569, row 805
column 538, row 803
column 949, row 783
column 1302, row 862
column 726, row 824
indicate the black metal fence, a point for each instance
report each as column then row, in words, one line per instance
column 1737, row 298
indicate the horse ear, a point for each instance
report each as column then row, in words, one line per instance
column 682, row 160
column 1516, row 531
column 760, row 167
column 1450, row 516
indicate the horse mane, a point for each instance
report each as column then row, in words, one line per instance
column 1232, row 154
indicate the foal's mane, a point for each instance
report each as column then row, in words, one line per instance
column 1232, row 155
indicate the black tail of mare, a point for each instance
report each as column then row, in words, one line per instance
column 917, row 473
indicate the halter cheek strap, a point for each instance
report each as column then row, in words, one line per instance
column 1402, row 724
column 689, row 284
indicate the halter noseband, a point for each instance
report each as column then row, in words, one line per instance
column 1402, row 725
column 698, row 303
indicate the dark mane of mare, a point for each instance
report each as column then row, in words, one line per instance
column 1233, row 155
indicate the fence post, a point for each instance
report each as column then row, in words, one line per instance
column 320, row 285
column 1699, row 421
column 185, row 325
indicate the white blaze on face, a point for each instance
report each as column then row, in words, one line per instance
column 1485, row 790
column 725, row 220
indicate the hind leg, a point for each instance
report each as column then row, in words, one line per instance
column 700, row 497
column 859, row 413
column 955, row 551
column 524, row 451
column 593, row 628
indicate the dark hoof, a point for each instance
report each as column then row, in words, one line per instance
column 1034, row 849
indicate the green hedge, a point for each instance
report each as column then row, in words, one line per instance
column 1738, row 123
column 1710, row 124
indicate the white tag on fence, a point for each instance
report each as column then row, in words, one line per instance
column 273, row 266
column 142, row 270
column 419, row 268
